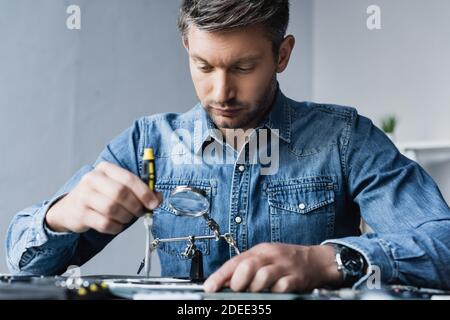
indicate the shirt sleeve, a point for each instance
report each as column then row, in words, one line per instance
column 33, row 249
column 410, row 242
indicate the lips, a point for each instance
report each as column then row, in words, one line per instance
column 227, row 112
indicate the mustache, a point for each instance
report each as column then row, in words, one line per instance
column 229, row 104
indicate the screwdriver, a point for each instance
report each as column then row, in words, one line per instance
column 150, row 174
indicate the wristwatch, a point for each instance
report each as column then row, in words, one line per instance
column 350, row 263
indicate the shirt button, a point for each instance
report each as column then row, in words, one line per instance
column 238, row 220
column 241, row 168
column 38, row 236
column 302, row 206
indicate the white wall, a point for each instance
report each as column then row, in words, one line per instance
column 404, row 68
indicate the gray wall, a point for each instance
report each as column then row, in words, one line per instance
column 65, row 93
column 403, row 69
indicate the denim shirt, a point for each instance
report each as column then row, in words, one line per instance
column 334, row 167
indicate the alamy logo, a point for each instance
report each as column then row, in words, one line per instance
column 374, row 19
column 261, row 147
column 73, row 21
column 374, row 279
column 72, row 271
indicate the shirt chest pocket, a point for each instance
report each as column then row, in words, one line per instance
column 167, row 224
column 301, row 211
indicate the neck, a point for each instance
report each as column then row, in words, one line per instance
column 240, row 137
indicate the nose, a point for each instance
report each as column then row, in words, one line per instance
column 222, row 88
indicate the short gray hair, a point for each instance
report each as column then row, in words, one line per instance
column 223, row 15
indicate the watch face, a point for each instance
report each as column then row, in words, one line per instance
column 352, row 260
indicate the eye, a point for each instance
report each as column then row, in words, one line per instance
column 205, row 68
column 244, row 69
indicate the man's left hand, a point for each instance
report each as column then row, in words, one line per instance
column 279, row 268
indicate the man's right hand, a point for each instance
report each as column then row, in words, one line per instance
column 106, row 199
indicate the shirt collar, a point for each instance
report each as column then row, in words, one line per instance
column 279, row 119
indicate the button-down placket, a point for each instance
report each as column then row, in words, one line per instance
column 239, row 200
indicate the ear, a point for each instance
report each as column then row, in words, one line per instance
column 285, row 53
column 185, row 41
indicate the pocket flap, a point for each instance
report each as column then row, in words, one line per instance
column 301, row 201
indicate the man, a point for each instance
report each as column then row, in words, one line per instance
column 297, row 225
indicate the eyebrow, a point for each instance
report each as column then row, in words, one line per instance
column 247, row 59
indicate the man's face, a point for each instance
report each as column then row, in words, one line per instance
column 234, row 74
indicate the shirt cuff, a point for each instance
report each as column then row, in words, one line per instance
column 40, row 234
column 374, row 254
